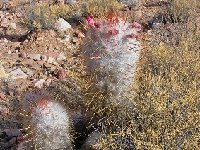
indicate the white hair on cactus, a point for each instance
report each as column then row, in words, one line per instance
column 52, row 126
column 111, row 55
column 46, row 121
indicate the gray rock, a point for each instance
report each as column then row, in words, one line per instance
column 17, row 73
column 66, row 38
column 13, row 25
column 39, row 83
column 35, row 57
column 92, row 140
column 130, row 3
column 61, row 57
column 70, row 2
column 62, row 25
column 52, row 60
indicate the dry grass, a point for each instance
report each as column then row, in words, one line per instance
column 44, row 15
column 99, row 8
column 167, row 102
column 183, row 9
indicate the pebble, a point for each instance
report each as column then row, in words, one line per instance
column 40, row 83
column 66, row 38
column 13, row 25
column 61, row 57
column 61, row 74
column 3, row 110
column 3, row 74
column 52, row 60
column 17, row 73
column 35, row 57
column 62, row 25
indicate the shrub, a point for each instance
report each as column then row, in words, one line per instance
column 181, row 10
column 167, row 103
column 44, row 15
column 98, row 8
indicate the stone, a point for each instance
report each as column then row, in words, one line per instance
column 92, row 140
column 40, row 83
column 66, row 38
column 61, row 74
column 52, row 60
column 3, row 110
column 2, row 95
column 13, row 25
column 129, row 3
column 3, row 74
column 22, row 55
column 17, row 73
column 35, row 57
column 62, row 25
column 9, row 52
column 61, row 57
column 70, row 2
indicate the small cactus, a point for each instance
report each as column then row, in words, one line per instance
column 47, row 122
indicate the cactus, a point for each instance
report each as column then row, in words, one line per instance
column 111, row 53
column 47, row 122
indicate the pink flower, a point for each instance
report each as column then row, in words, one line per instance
column 90, row 21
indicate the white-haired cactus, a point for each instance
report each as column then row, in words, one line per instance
column 47, row 123
column 111, row 53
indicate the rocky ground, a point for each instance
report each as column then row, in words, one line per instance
column 37, row 59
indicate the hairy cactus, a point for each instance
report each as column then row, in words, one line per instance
column 47, row 122
column 111, row 53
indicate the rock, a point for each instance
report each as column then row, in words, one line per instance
column 15, row 87
column 51, row 60
column 3, row 74
column 35, row 57
column 13, row 25
column 2, row 95
column 70, row 2
column 129, row 3
column 23, row 55
column 44, row 57
column 17, row 73
column 75, row 40
column 92, row 140
column 80, row 35
column 40, row 83
column 61, row 57
column 62, row 25
column 3, row 110
column 28, row 71
column 61, row 74
column 9, row 52
column 66, row 38
column 62, row 2
column 48, row 82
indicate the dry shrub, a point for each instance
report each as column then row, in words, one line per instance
column 99, row 8
column 168, row 97
column 181, row 10
column 44, row 15
column 166, row 113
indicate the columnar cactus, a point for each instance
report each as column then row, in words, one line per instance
column 111, row 53
column 47, row 122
